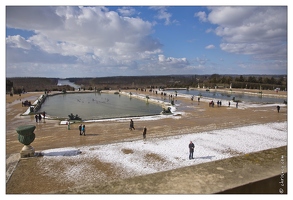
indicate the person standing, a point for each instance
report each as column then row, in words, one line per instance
column 36, row 117
column 44, row 115
column 144, row 132
column 79, row 128
column 40, row 117
column 131, row 126
column 191, row 150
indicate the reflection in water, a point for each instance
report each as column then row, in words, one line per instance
column 97, row 106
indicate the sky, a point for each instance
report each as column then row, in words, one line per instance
column 99, row 41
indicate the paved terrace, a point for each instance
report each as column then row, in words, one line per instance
column 263, row 172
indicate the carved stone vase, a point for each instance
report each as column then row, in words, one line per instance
column 26, row 136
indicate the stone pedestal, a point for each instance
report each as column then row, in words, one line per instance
column 26, row 136
column 27, row 151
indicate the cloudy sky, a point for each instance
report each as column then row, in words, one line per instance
column 98, row 41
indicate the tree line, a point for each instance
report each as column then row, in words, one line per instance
column 262, row 82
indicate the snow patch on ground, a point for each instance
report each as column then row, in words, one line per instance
column 128, row 159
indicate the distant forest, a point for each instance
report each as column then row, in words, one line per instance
column 262, row 82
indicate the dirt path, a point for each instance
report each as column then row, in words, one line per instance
column 50, row 134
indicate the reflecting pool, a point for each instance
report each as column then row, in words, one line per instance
column 258, row 98
column 97, row 106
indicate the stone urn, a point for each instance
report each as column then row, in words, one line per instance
column 26, row 136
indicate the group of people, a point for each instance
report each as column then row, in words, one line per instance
column 219, row 103
column 39, row 117
column 131, row 126
column 81, row 129
column 26, row 103
column 198, row 99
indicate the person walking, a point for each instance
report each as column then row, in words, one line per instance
column 191, row 150
column 131, row 126
column 79, row 128
column 144, row 132
column 83, row 130
column 278, row 108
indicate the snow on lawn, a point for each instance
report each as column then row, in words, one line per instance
column 140, row 157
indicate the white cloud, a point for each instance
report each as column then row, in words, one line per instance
column 230, row 16
column 18, row 42
column 95, row 36
column 91, row 29
column 164, row 15
column 201, row 61
column 211, row 46
column 202, row 16
column 126, row 11
column 257, row 31
column 171, row 60
column 172, row 65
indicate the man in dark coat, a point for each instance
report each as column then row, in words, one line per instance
column 191, row 150
column 131, row 126
column 144, row 132
column 40, row 117
column 278, row 108
column 79, row 128
column 36, row 117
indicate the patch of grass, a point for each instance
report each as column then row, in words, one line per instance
column 127, row 151
column 232, row 152
column 151, row 157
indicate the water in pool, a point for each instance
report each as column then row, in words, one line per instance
column 97, row 106
column 229, row 96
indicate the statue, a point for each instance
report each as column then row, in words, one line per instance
column 166, row 111
column 26, row 136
